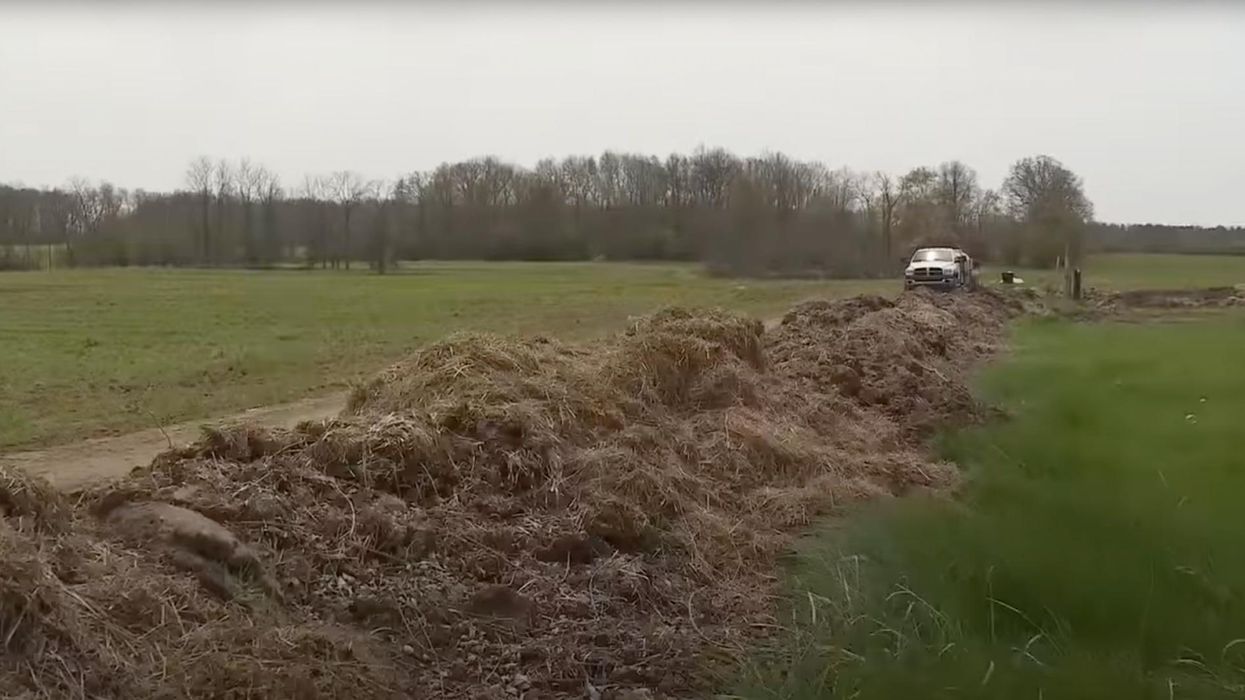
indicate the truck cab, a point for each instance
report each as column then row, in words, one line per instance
column 941, row 268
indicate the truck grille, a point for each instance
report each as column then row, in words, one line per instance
column 927, row 273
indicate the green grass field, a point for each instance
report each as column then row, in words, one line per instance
column 1094, row 553
column 1141, row 271
column 94, row 352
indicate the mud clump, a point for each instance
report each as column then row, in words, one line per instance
column 194, row 543
column 28, row 503
column 496, row 518
column 1173, row 298
column 1130, row 305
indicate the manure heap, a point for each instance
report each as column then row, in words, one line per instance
column 492, row 517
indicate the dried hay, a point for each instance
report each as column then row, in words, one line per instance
column 30, row 503
column 83, row 615
column 499, row 518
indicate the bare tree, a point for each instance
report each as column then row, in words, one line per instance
column 1049, row 200
column 86, row 213
column 712, row 174
column 199, row 178
column 1040, row 185
column 578, row 177
column 268, row 190
column 609, row 180
column 225, row 187
column 19, row 207
column 955, row 189
column 765, row 215
column 316, row 193
column 247, row 182
column 384, row 196
column 679, row 200
column 919, row 222
column 842, row 188
column 994, row 233
column 55, row 220
column 410, row 219
column 348, row 189
column 888, row 197
column 94, row 211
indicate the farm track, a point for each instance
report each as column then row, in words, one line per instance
column 78, row 465
column 94, row 461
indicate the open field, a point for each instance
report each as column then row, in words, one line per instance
column 1095, row 551
column 88, row 353
column 1139, row 271
column 493, row 517
column 659, row 476
column 1124, row 271
column 101, row 352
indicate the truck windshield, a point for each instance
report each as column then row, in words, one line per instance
column 934, row 255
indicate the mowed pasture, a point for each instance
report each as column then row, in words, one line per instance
column 98, row 352
column 1145, row 271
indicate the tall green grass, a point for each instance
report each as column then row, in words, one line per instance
column 1097, row 549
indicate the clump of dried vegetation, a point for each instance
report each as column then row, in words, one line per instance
column 491, row 517
column 1208, row 297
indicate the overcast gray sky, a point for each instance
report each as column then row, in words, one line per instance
column 1146, row 102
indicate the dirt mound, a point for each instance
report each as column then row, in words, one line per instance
column 1141, row 304
column 84, row 616
column 904, row 358
column 499, row 518
column 1174, row 298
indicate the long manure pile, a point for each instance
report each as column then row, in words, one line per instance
column 491, row 517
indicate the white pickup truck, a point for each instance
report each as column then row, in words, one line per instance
column 942, row 268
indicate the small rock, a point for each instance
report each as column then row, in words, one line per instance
column 408, row 650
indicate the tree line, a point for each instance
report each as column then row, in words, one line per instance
column 1154, row 238
column 769, row 214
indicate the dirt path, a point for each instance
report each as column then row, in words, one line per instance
column 91, row 461
column 79, row 464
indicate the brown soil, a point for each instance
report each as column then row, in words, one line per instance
column 1136, row 306
column 98, row 460
column 1176, row 298
column 492, row 518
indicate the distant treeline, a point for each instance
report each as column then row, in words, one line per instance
column 755, row 216
column 1156, row 238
